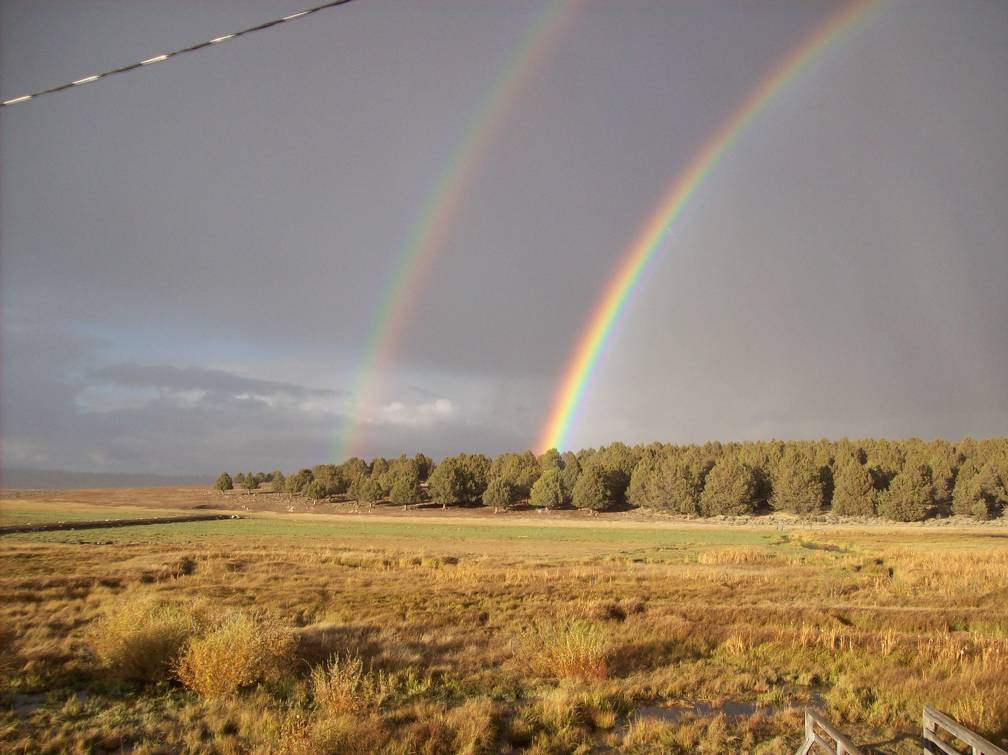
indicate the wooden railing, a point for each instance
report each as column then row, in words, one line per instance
column 831, row 740
column 936, row 721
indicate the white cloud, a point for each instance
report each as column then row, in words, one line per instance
column 415, row 415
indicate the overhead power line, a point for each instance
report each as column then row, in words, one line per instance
column 168, row 55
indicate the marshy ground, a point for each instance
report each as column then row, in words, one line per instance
column 449, row 632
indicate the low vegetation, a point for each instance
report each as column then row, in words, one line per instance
column 297, row 636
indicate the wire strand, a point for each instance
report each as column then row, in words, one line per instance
column 168, row 55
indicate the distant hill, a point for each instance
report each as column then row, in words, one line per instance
column 35, row 479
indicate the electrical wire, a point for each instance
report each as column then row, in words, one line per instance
column 168, row 55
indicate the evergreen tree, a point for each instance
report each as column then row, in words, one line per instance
column 963, row 490
column 224, row 482
column 277, row 481
column 854, row 491
column 315, row 490
column 499, row 494
column 367, row 490
column 731, row 488
column 550, row 459
column 548, row 489
column 909, row 496
column 405, row 490
column 520, row 470
column 569, row 474
column 798, row 486
column 592, row 491
column 641, row 490
column 425, row 465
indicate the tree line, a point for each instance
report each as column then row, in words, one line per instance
column 902, row 480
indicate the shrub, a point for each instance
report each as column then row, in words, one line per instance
column 564, row 649
column 140, row 639
column 224, row 482
column 342, row 686
column 241, row 650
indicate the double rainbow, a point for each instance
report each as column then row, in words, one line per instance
column 434, row 223
column 662, row 221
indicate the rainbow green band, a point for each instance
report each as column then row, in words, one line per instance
column 660, row 223
column 428, row 235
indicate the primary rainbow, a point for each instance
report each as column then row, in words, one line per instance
column 434, row 223
column 670, row 209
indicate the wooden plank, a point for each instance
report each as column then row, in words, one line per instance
column 979, row 745
column 844, row 744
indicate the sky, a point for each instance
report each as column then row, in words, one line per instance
column 193, row 256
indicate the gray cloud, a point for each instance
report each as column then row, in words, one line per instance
column 200, row 379
column 195, row 256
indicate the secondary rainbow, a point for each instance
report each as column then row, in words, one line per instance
column 661, row 222
column 434, row 223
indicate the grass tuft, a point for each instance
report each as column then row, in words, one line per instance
column 140, row 639
column 575, row 648
column 241, row 650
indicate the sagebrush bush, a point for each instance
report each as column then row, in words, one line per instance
column 342, row 686
column 140, row 639
column 240, row 650
column 568, row 649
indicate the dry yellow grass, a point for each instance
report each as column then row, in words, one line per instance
column 140, row 638
column 241, row 649
column 429, row 629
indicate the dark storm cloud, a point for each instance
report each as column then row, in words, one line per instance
column 194, row 256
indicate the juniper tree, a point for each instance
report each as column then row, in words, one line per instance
column 405, row 490
column 731, row 488
column 499, row 494
column 548, row 489
column 315, row 490
column 224, row 482
column 909, row 496
column 854, row 491
column 592, row 491
column 277, row 481
column 798, row 486
column 569, row 474
column 520, row 470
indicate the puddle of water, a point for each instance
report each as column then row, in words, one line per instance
column 729, row 708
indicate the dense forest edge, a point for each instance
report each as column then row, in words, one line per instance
column 900, row 480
